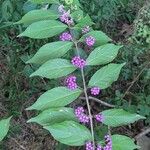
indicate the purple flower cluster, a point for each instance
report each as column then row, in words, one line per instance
column 89, row 146
column 95, row 91
column 108, row 144
column 86, row 29
column 82, row 117
column 99, row 117
column 71, row 82
column 66, row 36
column 65, row 15
column 90, row 41
column 78, row 62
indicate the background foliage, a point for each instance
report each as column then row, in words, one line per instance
column 128, row 24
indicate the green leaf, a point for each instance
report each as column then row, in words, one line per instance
column 86, row 21
column 77, row 15
column 50, row 51
column 101, row 37
column 37, row 15
column 70, row 133
column 54, row 115
column 54, row 68
column 57, row 97
column 44, row 29
column 45, row 1
column 120, row 142
column 119, row 117
column 105, row 76
column 103, row 54
column 4, row 127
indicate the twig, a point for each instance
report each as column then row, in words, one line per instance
column 136, row 79
column 22, row 147
column 142, row 133
column 109, row 130
column 99, row 101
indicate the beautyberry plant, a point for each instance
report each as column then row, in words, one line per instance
column 73, row 32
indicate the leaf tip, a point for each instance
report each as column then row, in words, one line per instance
column 18, row 22
column 29, row 108
column 20, row 35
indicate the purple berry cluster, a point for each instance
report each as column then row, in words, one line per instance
column 82, row 117
column 86, row 29
column 66, row 36
column 90, row 41
column 71, row 82
column 78, row 62
column 89, row 146
column 108, row 144
column 95, row 91
column 65, row 15
column 99, row 117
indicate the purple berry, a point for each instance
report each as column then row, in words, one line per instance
column 83, row 118
column 99, row 147
column 95, row 91
column 71, row 82
column 66, row 36
column 99, row 117
column 108, row 142
column 86, row 29
column 90, row 41
column 89, row 146
column 66, row 18
column 78, row 62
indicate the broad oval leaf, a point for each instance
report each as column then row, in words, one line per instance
column 57, row 97
column 103, row 54
column 4, row 127
column 101, row 37
column 121, row 142
column 45, row 1
column 50, row 51
column 54, row 115
column 54, row 68
column 105, row 76
column 37, row 15
column 86, row 21
column 119, row 117
column 70, row 133
column 44, row 29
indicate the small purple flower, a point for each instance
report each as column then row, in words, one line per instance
column 90, row 41
column 66, row 36
column 66, row 18
column 83, row 118
column 71, row 82
column 99, row 117
column 95, row 91
column 86, row 29
column 99, row 147
column 89, row 146
column 78, row 62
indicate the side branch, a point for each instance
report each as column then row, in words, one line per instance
column 99, row 101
